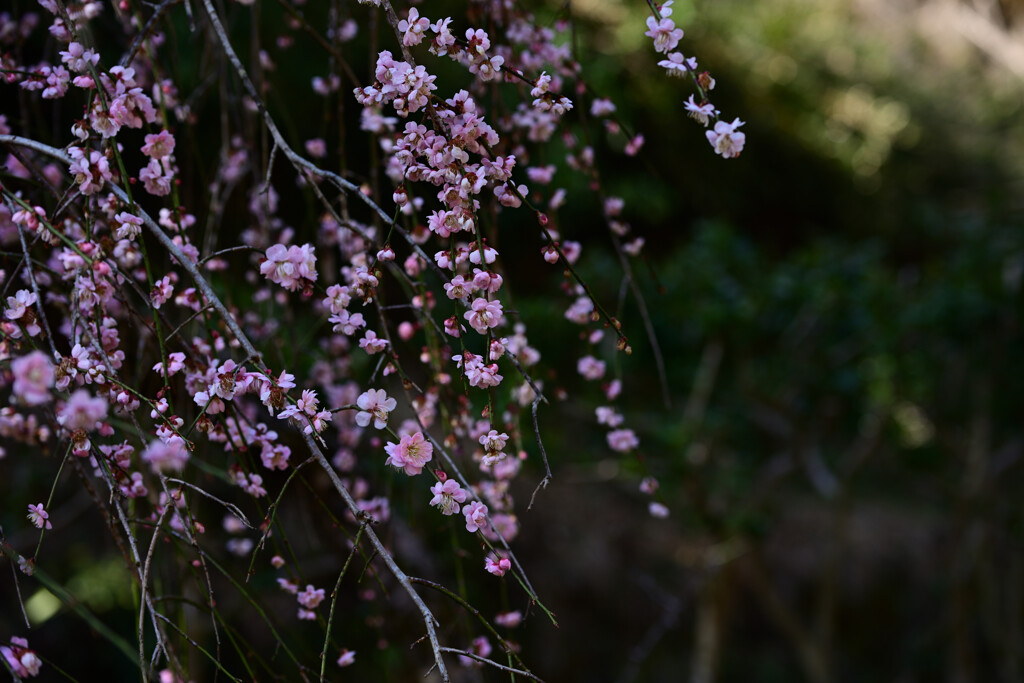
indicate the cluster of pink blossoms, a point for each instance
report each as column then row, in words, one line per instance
column 451, row 155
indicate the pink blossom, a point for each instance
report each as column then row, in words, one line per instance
column 542, row 175
column 484, row 315
column 678, row 65
column 590, row 367
column 347, row 658
column 613, row 389
column 21, row 660
column 90, row 170
column 166, row 456
column 476, row 516
column 275, row 457
column 413, row 28
column 448, row 495
column 484, row 376
column 664, row 33
column 80, row 414
column 311, row 597
column 39, row 517
column 378, row 508
column 602, row 107
column 634, row 145
column 726, row 140
column 291, row 267
column 371, row 343
column 129, row 226
column 622, row 440
column 487, row 281
column 494, row 447
column 162, row 291
column 33, row 378
column 480, row 647
column 316, row 148
column 375, row 405
column 657, row 510
column 78, row 58
column 156, row 177
column 648, row 485
column 580, row 310
column 458, row 288
column 497, row 565
column 505, row 525
column 700, row 112
column 508, row 619
column 444, row 39
column 159, row 145
column 606, row 415
column 411, row 453
column 347, row 323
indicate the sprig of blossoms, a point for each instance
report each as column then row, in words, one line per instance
column 725, row 139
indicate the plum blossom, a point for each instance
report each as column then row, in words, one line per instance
column 39, row 517
column 33, row 378
column 497, row 565
column 291, row 267
column 81, row 414
column 448, row 495
column 602, row 107
column 509, row 619
column 308, row 405
column 413, row 28
column 477, row 373
column 347, row 323
column 374, row 405
column 494, row 447
column 622, row 440
column 162, row 291
column 657, row 509
column 476, row 516
column 678, row 65
column 90, row 168
column 410, row 454
column 163, row 456
column 372, row 343
column 159, row 145
column 480, row 647
column 700, row 112
column 78, row 59
column 663, row 31
column 311, row 597
column 590, row 367
column 484, row 315
column 726, row 140
column 156, row 177
column 606, row 415
column 23, row 662
column 129, row 226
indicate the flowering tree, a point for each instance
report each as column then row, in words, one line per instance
column 211, row 314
